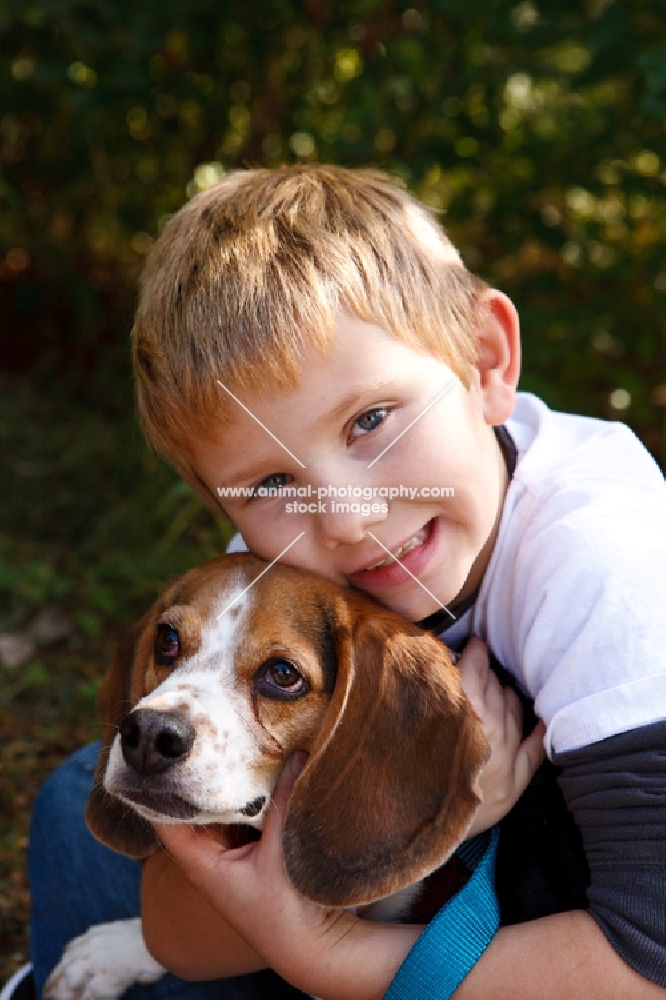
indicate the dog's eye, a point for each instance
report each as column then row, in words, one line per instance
column 280, row 679
column 167, row 645
column 284, row 674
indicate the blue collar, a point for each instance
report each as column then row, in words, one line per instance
column 456, row 938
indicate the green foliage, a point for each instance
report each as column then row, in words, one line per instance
column 536, row 128
column 100, row 524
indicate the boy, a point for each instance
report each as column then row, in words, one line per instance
column 312, row 328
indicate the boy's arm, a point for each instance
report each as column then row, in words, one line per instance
column 336, row 956
column 565, row 955
column 616, row 790
column 183, row 932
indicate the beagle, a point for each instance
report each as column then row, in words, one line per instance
column 235, row 668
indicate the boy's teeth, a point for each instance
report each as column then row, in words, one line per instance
column 417, row 539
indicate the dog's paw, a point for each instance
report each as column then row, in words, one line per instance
column 102, row 963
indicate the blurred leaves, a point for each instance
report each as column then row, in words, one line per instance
column 100, row 523
column 538, row 128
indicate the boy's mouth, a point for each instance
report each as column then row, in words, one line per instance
column 417, row 539
column 391, row 570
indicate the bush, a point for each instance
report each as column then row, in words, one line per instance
column 536, row 130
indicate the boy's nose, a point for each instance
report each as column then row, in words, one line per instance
column 340, row 526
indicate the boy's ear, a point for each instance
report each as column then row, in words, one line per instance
column 498, row 363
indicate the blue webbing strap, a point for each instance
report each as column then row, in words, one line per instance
column 454, row 940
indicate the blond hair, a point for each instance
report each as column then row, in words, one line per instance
column 254, row 271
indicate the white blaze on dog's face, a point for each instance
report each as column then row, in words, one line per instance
column 220, row 702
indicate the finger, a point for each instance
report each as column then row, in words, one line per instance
column 180, row 840
column 514, row 712
column 497, row 697
column 501, row 711
column 175, row 838
column 183, row 845
column 287, row 778
column 197, row 849
column 474, row 673
column 530, row 755
column 276, row 814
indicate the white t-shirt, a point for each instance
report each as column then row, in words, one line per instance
column 573, row 599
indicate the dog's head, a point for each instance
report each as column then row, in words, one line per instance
column 207, row 698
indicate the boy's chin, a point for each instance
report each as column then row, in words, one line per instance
column 412, row 607
column 420, row 604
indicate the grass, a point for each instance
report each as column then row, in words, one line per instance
column 93, row 525
column 46, row 710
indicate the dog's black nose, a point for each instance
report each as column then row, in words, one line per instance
column 153, row 741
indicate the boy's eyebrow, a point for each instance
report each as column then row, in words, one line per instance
column 250, row 473
column 349, row 400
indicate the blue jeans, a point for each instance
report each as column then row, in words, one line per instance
column 76, row 882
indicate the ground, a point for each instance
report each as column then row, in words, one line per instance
column 41, row 722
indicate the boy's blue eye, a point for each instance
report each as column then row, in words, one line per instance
column 368, row 421
column 273, row 482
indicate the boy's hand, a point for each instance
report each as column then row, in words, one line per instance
column 309, row 945
column 513, row 760
column 247, row 885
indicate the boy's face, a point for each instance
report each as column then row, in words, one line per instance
column 371, row 413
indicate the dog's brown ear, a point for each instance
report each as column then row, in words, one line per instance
column 109, row 819
column 390, row 787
